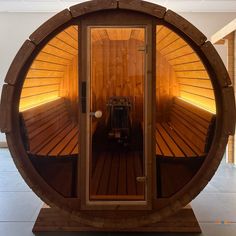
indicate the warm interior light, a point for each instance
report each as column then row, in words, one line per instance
column 117, row 33
column 38, row 104
column 198, row 105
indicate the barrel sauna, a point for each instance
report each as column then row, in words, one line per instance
column 117, row 112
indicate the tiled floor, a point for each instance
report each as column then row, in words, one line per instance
column 215, row 207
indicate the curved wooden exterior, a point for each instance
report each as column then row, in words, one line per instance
column 208, row 63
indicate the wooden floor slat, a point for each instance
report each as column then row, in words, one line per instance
column 138, row 173
column 122, row 175
column 97, row 174
column 113, row 183
column 115, row 175
column 115, row 167
column 131, row 179
column 104, row 180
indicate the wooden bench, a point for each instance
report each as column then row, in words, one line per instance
column 182, row 142
column 50, row 135
column 49, row 130
column 188, row 133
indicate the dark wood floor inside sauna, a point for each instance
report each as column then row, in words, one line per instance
column 116, row 167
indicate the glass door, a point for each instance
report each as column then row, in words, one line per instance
column 116, row 114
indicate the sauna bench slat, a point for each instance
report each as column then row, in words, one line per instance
column 187, row 133
column 49, row 130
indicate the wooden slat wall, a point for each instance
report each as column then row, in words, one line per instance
column 117, row 70
column 117, row 34
column 69, row 86
column 166, row 87
column 50, row 68
column 194, row 82
column 117, row 67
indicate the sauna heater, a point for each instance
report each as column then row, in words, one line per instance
column 119, row 119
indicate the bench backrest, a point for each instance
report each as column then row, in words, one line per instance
column 43, row 121
column 193, row 123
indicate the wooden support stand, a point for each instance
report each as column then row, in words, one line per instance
column 52, row 220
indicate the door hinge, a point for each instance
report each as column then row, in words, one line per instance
column 143, row 49
column 141, row 179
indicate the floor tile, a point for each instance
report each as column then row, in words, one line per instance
column 19, row 206
column 215, row 207
column 224, row 184
column 210, row 188
column 16, row 228
column 12, row 181
column 6, row 161
column 218, row 229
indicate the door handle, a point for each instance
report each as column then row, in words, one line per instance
column 96, row 114
column 83, row 96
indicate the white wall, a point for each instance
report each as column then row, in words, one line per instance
column 210, row 23
column 15, row 28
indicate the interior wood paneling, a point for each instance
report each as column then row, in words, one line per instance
column 193, row 80
column 180, row 71
column 117, row 34
column 69, row 86
column 117, row 70
column 166, row 87
column 54, row 72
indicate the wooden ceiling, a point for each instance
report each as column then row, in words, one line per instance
column 117, row 34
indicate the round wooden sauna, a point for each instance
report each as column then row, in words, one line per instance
column 117, row 112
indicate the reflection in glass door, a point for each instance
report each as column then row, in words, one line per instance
column 116, row 90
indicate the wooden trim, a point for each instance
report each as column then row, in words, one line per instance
column 3, row 145
column 216, row 63
column 229, row 110
column 149, row 103
column 135, row 5
column 222, row 33
column 231, row 56
column 143, row 6
column 86, row 22
column 221, row 41
column 52, row 220
column 187, row 28
column 5, row 108
column 231, row 70
column 82, row 117
column 49, row 26
column 117, row 197
column 92, row 6
column 154, row 113
column 19, row 61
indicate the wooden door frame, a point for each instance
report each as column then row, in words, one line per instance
column 149, row 154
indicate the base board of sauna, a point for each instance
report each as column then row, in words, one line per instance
column 52, row 220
